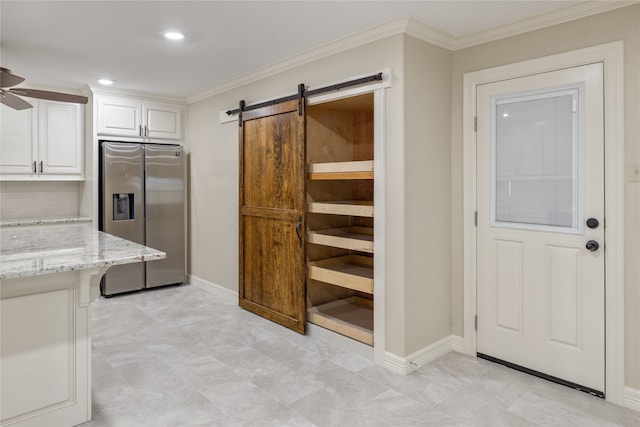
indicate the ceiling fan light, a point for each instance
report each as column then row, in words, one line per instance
column 105, row 82
column 174, row 35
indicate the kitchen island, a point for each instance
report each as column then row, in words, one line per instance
column 49, row 274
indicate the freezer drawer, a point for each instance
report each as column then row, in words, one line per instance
column 165, row 213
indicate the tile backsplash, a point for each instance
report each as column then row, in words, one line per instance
column 28, row 199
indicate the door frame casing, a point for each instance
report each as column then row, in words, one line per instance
column 611, row 55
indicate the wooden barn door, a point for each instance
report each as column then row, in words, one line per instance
column 272, row 196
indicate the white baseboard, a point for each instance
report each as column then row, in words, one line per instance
column 457, row 343
column 408, row 364
column 398, row 364
column 631, row 398
column 218, row 290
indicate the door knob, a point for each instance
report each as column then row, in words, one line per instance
column 592, row 245
column 593, row 223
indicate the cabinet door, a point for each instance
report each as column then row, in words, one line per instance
column 162, row 121
column 119, row 116
column 272, row 193
column 61, row 141
column 18, row 145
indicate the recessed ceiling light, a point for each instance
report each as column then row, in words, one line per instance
column 174, row 35
column 105, row 82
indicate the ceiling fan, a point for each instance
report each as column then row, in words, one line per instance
column 8, row 94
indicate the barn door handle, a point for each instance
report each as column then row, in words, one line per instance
column 298, row 224
column 592, row 245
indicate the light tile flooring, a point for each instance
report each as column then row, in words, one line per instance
column 183, row 356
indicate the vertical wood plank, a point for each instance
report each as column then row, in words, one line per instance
column 272, row 193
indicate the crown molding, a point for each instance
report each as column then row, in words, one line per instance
column 360, row 38
column 560, row 16
column 110, row 91
column 428, row 34
column 420, row 31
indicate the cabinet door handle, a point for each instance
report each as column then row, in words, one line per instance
column 41, row 168
column 35, row 168
column 140, row 131
column 146, row 130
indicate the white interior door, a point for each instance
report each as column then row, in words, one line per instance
column 540, row 229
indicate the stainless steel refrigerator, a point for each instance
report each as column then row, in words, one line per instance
column 142, row 199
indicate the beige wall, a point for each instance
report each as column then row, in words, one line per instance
column 427, row 194
column 214, row 165
column 416, row 175
column 620, row 24
column 423, row 168
column 213, row 147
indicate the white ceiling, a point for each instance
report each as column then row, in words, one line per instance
column 70, row 44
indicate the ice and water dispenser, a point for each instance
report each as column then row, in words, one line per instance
column 123, row 207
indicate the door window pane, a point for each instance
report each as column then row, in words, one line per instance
column 536, row 160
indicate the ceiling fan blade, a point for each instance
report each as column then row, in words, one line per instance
column 7, row 79
column 51, row 96
column 14, row 102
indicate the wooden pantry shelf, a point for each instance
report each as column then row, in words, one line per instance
column 340, row 170
column 351, row 317
column 352, row 238
column 343, row 207
column 351, row 272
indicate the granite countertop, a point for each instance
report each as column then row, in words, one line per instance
column 42, row 249
column 43, row 221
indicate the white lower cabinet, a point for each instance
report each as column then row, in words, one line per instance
column 45, row 348
column 45, row 142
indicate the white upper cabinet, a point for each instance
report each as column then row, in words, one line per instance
column 139, row 118
column 18, row 141
column 45, row 142
column 162, row 121
column 61, row 138
column 119, row 116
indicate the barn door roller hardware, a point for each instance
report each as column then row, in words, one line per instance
column 302, row 93
column 241, row 108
